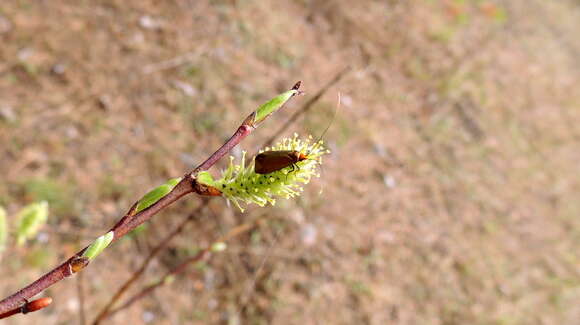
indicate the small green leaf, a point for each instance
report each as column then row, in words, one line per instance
column 3, row 230
column 156, row 194
column 273, row 105
column 174, row 181
column 205, row 178
column 31, row 218
column 99, row 245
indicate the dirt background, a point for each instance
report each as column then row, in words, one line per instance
column 451, row 195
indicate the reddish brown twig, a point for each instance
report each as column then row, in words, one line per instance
column 243, row 131
column 139, row 272
column 146, row 291
column 28, row 307
column 204, row 253
column 131, row 220
column 66, row 269
column 150, row 288
column 307, row 106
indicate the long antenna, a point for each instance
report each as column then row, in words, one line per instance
column 307, row 106
column 331, row 120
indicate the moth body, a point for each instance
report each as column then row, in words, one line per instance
column 270, row 161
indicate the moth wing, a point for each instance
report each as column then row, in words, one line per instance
column 271, row 161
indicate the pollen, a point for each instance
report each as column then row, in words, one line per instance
column 241, row 184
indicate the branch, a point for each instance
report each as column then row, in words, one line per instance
column 204, row 253
column 131, row 220
column 307, row 106
column 103, row 314
column 243, row 131
column 66, row 269
column 139, row 272
column 28, row 307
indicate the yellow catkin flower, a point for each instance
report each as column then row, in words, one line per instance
column 240, row 183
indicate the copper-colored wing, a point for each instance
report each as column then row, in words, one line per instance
column 271, row 161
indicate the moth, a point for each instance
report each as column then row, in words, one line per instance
column 270, row 161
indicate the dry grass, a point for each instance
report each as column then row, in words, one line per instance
column 451, row 196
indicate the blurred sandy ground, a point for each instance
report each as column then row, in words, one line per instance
column 451, row 196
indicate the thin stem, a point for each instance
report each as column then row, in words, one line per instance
column 307, row 106
column 247, row 294
column 150, row 288
column 64, row 270
column 10, row 313
column 140, row 271
column 236, row 138
column 130, row 221
column 242, row 132
column 28, row 307
column 180, row 268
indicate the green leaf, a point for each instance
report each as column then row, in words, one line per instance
column 273, row 105
column 31, row 218
column 156, row 194
column 99, row 245
column 205, row 178
column 3, row 230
